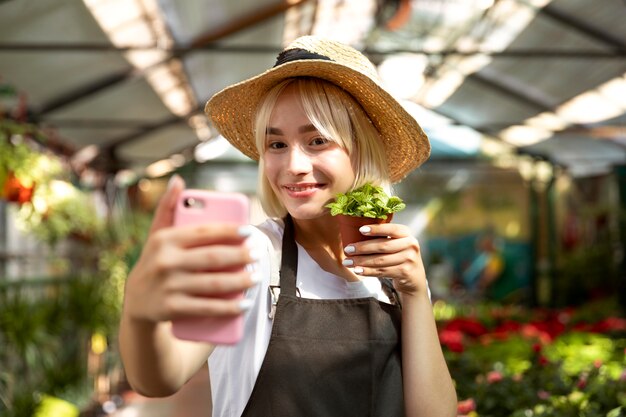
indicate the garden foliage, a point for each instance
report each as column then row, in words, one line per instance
column 508, row 361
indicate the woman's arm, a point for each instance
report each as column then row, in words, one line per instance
column 428, row 387
column 156, row 363
column 170, row 281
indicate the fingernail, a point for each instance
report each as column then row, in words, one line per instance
column 358, row 270
column 245, row 304
column 172, row 180
column 245, row 230
column 365, row 229
column 349, row 249
column 348, row 262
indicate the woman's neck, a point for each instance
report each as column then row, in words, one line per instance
column 321, row 239
column 322, row 232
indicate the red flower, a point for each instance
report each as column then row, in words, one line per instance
column 466, row 406
column 471, row 327
column 503, row 331
column 452, row 339
column 508, row 327
column 15, row 191
column 544, row 395
column 543, row 361
column 581, row 327
column 551, row 327
column 609, row 324
column 494, row 376
column 531, row 331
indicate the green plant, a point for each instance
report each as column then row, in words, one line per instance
column 49, row 205
column 45, row 327
column 366, row 201
column 511, row 361
column 59, row 210
column 19, row 156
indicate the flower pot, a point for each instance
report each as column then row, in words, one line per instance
column 349, row 228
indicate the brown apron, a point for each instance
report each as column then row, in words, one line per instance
column 327, row 358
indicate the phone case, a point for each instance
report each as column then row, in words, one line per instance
column 198, row 207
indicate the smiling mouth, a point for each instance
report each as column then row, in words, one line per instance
column 296, row 188
column 300, row 188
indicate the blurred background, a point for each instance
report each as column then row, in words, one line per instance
column 520, row 211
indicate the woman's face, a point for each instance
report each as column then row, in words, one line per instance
column 304, row 169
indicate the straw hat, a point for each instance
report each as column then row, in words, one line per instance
column 233, row 109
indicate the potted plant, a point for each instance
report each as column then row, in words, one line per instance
column 368, row 204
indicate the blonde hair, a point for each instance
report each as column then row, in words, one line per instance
column 339, row 118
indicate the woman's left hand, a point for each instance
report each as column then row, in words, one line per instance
column 396, row 255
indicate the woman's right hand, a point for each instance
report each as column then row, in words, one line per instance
column 180, row 270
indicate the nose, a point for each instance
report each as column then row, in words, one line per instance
column 299, row 161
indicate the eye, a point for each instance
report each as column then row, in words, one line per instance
column 276, row 145
column 319, row 141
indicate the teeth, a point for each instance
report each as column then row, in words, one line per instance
column 300, row 188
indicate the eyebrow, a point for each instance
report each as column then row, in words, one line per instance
column 301, row 129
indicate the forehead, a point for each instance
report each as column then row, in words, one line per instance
column 290, row 95
column 288, row 108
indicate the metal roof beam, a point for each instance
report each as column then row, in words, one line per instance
column 509, row 91
column 583, row 27
column 255, row 17
column 82, row 92
column 530, row 53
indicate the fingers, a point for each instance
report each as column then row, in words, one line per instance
column 381, row 245
column 208, row 294
column 392, row 230
column 213, row 284
column 393, row 258
column 382, row 265
column 205, row 234
column 164, row 214
column 193, row 249
column 183, row 305
column 215, row 258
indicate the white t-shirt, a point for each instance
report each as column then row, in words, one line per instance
column 234, row 369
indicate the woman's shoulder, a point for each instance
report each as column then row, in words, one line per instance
column 273, row 228
column 271, row 231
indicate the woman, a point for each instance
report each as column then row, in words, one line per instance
column 340, row 342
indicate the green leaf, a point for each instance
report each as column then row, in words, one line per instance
column 366, row 201
column 335, row 211
column 616, row 412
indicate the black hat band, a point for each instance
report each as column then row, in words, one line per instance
column 297, row 55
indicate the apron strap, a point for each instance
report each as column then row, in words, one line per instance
column 289, row 259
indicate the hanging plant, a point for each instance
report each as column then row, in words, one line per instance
column 49, row 207
column 22, row 165
column 59, row 210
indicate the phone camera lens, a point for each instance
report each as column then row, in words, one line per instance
column 189, row 202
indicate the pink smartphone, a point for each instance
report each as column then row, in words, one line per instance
column 198, row 207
